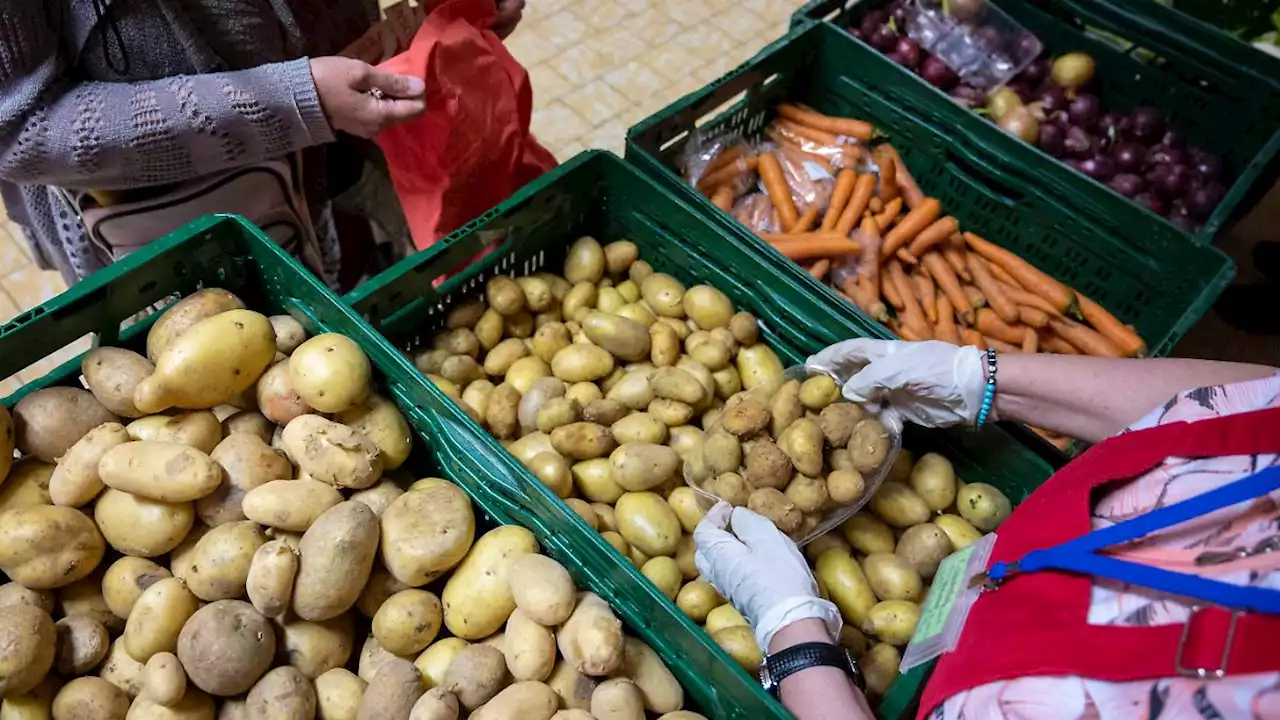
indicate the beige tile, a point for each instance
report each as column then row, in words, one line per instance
column 611, row 136
column 674, row 61
column 719, row 6
column 13, row 253
column 617, row 46
column 31, row 286
column 548, row 84
column 639, row 82
column 557, row 124
column 529, row 46
column 568, row 150
column 707, row 43
column 579, row 65
column 636, row 7
column 8, row 308
column 655, row 26
column 52, row 362
column 741, row 26
column 602, row 15
column 687, row 13
column 597, row 102
column 563, row 29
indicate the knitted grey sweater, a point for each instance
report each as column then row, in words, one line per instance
column 117, row 94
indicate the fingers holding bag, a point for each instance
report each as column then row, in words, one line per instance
column 362, row 100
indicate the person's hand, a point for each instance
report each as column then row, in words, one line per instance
column 758, row 569
column 509, row 14
column 932, row 383
column 349, row 93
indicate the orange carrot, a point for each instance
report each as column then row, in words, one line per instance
column 727, row 174
column 1034, row 317
column 723, row 198
column 819, row 269
column 1022, row 297
column 973, row 337
column 1050, row 342
column 1125, row 339
column 775, row 185
column 1003, row 276
column 839, row 198
column 1031, row 278
column 820, row 236
column 891, row 211
column 946, row 326
column 976, row 298
column 990, row 324
column 906, row 183
column 888, row 177
column 869, row 259
column 857, row 129
column 1030, row 341
column 950, row 286
column 905, row 256
column 992, row 290
column 808, row 246
column 910, row 332
column 875, row 206
column 890, row 293
column 910, row 226
column 726, row 156
column 958, row 260
column 802, row 133
column 1087, row 340
column 1001, row 345
column 875, row 306
column 937, row 232
column 806, row 221
column 862, row 190
column 912, row 315
column 928, row 294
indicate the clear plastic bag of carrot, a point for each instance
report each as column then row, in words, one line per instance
column 825, row 194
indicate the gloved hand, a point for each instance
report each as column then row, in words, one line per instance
column 932, row 383
column 758, row 569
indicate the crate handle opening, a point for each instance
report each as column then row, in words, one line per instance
column 674, row 141
column 720, row 109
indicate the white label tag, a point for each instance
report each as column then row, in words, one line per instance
column 951, row 597
column 816, row 171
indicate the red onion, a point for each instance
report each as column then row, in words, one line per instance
column 1151, row 202
column 1099, row 167
column 872, row 21
column 1203, row 200
column 1084, row 110
column 908, row 52
column 1036, row 72
column 1079, row 143
column 883, row 39
column 1162, row 155
column 1170, row 181
column 1147, row 125
column 1051, row 139
column 1127, row 184
column 1208, row 167
column 1129, row 156
column 936, row 73
column 1173, row 139
column 1051, row 97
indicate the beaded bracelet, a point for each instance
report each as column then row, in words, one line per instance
column 989, row 395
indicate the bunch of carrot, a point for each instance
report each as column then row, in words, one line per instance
column 890, row 249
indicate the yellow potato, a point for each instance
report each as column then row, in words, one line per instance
column 75, row 481
column 846, row 584
column 688, row 508
column 819, row 545
column 621, row 337
column 671, row 412
column 664, row 344
column 276, row 396
column 958, row 530
column 215, row 359
column 380, row 496
column 868, row 534
column 674, row 383
column 44, row 546
column 315, row 648
column 408, row 621
column 487, row 331
column 808, row 493
column 579, row 301
column 477, row 598
column 554, row 472
column 186, row 313
column 722, row 617
column 537, row 293
column 121, row 670
column 426, row 532
column 195, row 705
column 335, row 557
column 697, row 599
column 286, row 694
column 584, row 511
column 740, row 642
column 338, row 694
column 547, row 341
column 221, row 560
column 476, row 674
column 664, row 294
column 140, row 526
column 435, row 660
column 29, row 639
column 639, row 427
column 330, row 373
column 523, row 372
column 157, row 619
column 582, row 363
column 125, row 581
column 591, row 640
column 665, row 574
column 247, row 463
column 47, row 422
column 757, row 365
column 868, row 445
column 708, row 307
column 112, row 375
column 802, row 441
column 934, row 480
column 846, row 487
column 501, row 415
column 332, row 453
column 880, row 667
column 540, row 392
column 542, row 589
column 504, row 295
column 272, row 572
column 583, row 441
column 291, row 505
column 893, row 621
column 899, row 506
column 529, row 647
column 892, row 578
column 381, row 585
column 476, row 394
column 378, row 419
column 731, row 488
column 620, row 255
column 633, row 390
column 641, row 466
column 777, row 507
column 162, row 471
column 923, row 547
column 818, row 392
column 585, row 261
column 983, row 506
column 200, row 429
column 594, row 480
column 647, row 522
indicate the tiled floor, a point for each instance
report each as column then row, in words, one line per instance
column 598, row 67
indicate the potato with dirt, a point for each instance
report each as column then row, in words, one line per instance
column 185, row 314
column 378, row 419
column 75, row 481
column 408, row 621
column 335, row 557
column 221, row 561
column 30, row 640
column 475, row 675
column 47, row 422
column 157, row 618
column 164, row 471
column 642, row 466
column 583, row 441
column 777, row 507
column 290, row 505
column 276, row 397
column 623, row 338
column 333, row 453
column 225, row 647
column 591, row 640
column 247, row 463
column 45, row 547
column 282, row 694
column 426, row 532
column 112, row 375
column 983, row 506
column 82, row 643
column 139, row 526
column 542, row 589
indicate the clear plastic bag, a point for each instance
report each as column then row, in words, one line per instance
column 811, row 183
column 847, row 448
column 756, row 213
column 979, row 41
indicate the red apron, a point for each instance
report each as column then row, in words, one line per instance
column 1036, row 624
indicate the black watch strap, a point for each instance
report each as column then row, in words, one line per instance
column 781, row 665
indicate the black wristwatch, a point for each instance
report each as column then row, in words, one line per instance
column 781, row 665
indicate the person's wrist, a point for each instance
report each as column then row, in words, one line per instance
column 801, row 631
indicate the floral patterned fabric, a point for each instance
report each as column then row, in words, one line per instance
column 1241, row 526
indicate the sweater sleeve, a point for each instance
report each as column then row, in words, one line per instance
column 101, row 135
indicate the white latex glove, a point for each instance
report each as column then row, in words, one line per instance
column 758, row 569
column 931, row 383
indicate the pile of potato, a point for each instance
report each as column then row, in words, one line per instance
column 877, row 568
column 225, row 552
column 794, row 452
column 600, row 380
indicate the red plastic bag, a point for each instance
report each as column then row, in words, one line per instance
column 472, row 148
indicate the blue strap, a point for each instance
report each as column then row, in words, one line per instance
column 1080, row 555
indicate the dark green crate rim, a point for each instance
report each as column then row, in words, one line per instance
column 1125, row 272
column 1203, row 71
column 396, row 302
column 227, row 251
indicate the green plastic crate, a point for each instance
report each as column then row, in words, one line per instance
column 231, row 253
column 1160, row 283
column 1219, row 98
column 597, row 194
